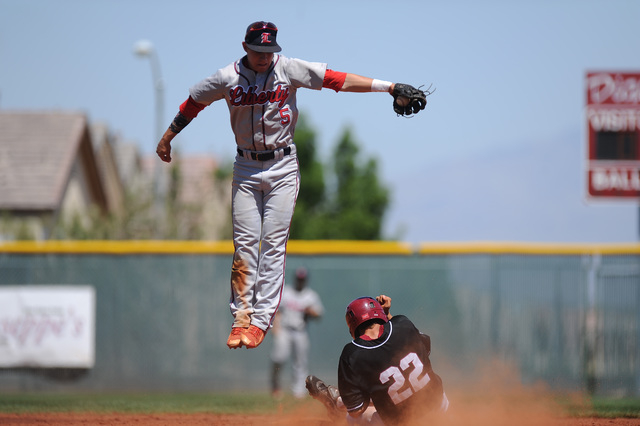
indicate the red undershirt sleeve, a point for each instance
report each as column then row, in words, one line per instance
column 334, row 79
column 191, row 108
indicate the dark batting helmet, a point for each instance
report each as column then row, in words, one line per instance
column 361, row 310
column 302, row 273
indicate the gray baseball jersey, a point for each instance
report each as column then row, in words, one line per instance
column 294, row 304
column 262, row 106
column 263, row 114
column 292, row 333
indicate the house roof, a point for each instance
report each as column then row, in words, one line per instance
column 196, row 172
column 37, row 152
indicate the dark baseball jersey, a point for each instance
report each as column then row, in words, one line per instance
column 394, row 371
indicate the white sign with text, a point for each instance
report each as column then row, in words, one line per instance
column 48, row 326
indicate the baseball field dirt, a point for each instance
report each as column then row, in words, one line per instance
column 521, row 408
column 481, row 419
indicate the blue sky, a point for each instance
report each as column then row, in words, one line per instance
column 498, row 155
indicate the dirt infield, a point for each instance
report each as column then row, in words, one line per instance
column 515, row 408
column 500, row 402
column 60, row 419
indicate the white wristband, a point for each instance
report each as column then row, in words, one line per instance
column 380, row 85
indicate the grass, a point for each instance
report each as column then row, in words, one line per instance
column 601, row 407
column 258, row 403
column 143, row 403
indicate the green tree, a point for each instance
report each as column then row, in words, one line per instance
column 137, row 221
column 360, row 200
column 307, row 219
column 181, row 219
column 353, row 208
column 141, row 218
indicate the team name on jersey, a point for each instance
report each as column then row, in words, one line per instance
column 239, row 96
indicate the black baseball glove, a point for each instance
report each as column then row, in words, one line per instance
column 408, row 100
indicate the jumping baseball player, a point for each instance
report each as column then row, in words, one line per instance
column 384, row 374
column 260, row 91
column 299, row 304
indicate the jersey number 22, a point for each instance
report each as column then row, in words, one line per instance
column 396, row 373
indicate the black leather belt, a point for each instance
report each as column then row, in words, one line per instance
column 264, row 156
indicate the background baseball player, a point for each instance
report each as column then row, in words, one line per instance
column 260, row 91
column 299, row 304
column 387, row 364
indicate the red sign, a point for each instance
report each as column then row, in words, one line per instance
column 613, row 133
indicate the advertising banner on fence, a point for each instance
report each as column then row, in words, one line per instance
column 47, row 326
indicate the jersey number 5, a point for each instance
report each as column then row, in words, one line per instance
column 285, row 116
column 397, row 374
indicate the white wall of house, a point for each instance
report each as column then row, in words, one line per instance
column 77, row 199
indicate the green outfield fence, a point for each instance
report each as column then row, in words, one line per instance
column 566, row 315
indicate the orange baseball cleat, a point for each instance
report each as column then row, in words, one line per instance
column 252, row 336
column 235, row 338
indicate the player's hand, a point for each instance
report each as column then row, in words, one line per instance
column 385, row 302
column 310, row 312
column 164, row 150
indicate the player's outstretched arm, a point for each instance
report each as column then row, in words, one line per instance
column 358, row 83
column 407, row 100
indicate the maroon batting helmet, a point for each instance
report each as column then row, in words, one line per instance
column 361, row 310
column 302, row 273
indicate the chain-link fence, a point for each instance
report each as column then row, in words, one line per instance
column 569, row 319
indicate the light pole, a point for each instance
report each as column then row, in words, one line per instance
column 145, row 49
